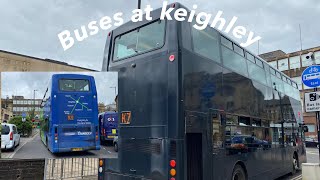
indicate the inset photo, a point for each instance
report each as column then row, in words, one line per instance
column 58, row 115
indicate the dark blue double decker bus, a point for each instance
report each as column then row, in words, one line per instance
column 108, row 125
column 70, row 114
column 195, row 105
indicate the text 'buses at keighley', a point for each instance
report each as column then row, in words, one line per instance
column 195, row 105
column 70, row 114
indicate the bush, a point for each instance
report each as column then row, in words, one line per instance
column 22, row 127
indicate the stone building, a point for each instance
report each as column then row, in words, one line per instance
column 13, row 62
column 293, row 64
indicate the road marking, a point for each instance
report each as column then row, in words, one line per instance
column 109, row 152
column 21, row 145
column 316, row 153
column 297, row 178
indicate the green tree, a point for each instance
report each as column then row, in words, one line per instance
column 23, row 127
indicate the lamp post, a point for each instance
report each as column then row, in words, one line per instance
column 34, row 102
column 139, row 4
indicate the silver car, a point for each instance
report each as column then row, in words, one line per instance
column 10, row 138
column 115, row 144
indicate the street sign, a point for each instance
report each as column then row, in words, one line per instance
column 24, row 115
column 311, row 76
column 312, row 101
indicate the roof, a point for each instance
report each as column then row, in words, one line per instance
column 272, row 54
column 46, row 60
column 276, row 55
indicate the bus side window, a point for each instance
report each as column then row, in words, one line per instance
column 218, row 122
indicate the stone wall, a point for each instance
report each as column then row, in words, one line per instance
column 22, row 169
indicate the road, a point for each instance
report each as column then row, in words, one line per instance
column 32, row 148
column 312, row 157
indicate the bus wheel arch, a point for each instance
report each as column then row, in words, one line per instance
column 238, row 169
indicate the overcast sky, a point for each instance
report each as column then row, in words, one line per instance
column 23, row 84
column 31, row 27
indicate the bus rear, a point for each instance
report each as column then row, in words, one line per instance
column 109, row 126
column 145, row 55
column 74, row 113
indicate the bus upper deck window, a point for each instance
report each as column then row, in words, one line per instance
column 74, row 85
column 139, row 40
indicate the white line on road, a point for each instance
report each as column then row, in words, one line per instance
column 109, row 152
column 21, row 145
column 297, row 178
column 316, row 153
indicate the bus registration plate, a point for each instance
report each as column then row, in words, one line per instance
column 76, row 149
column 70, row 117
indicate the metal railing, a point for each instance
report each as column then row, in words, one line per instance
column 71, row 168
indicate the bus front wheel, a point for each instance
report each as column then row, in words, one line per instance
column 295, row 164
column 238, row 173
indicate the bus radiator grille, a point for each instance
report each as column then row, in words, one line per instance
column 151, row 148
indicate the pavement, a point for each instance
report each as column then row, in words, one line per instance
column 33, row 148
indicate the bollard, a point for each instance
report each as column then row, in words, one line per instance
column 310, row 171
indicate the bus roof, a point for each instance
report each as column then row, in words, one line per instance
column 130, row 26
column 72, row 76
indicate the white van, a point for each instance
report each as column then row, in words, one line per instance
column 9, row 136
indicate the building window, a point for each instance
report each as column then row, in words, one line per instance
column 294, row 62
column 273, row 64
column 311, row 127
column 283, row 64
column 306, row 62
column 317, row 57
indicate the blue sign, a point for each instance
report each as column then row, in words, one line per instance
column 208, row 90
column 24, row 115
column 311, row 76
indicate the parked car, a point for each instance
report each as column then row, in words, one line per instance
column 10, row 138
column 115, row 144
column 311, row 142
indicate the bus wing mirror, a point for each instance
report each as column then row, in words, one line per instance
column 305, row 129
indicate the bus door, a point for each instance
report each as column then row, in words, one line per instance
column 195, row 145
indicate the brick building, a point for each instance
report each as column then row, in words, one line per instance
column 293, row 64
column 13, row 62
